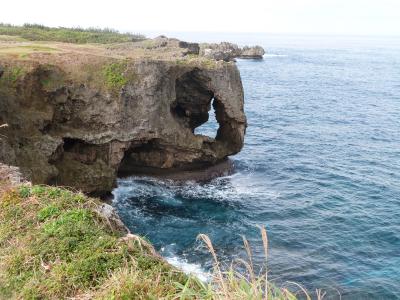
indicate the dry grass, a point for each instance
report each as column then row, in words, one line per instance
column 28, row 49
column 233, row 284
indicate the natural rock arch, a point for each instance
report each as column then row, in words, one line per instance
column 78, row 134
column 193, row 99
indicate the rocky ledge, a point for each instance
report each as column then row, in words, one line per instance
column 79, row 115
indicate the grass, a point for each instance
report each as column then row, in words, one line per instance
column 55, row 245
column 35, row 32
column 234, row 284
column 27, row 49
column 8, row 38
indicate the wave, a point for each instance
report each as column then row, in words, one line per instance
column 189, row 268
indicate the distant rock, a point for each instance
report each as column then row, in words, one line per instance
column 223, row 51
column 252, row 52
column 229, row 51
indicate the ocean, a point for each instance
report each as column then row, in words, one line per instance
column 320, row 169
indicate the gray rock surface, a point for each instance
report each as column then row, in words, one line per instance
column 72, row 123
column 252, row 52
column 11, row 175
column 108, row 212
column 228, row 51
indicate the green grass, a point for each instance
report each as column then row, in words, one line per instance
column 35, row 32
column 55, row 245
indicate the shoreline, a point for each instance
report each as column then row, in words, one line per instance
column 201, row 174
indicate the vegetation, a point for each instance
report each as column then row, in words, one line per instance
column 12, row 74
column 114, row 74
column 35, row 32
column 55, row 244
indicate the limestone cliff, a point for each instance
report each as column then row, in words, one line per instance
column 77, row 115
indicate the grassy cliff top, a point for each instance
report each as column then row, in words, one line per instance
column 94, row 57
column 18, row 49
column 96, row 65
column 66, row 46
column 35, row 32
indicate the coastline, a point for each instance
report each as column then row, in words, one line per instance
column 199, row 174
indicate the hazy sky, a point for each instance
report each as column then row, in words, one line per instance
column 375, row 17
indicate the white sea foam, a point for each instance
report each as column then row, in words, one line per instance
column 189, row 268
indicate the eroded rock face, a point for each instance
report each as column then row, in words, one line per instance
column 65, row 128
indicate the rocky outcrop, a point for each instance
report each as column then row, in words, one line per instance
column 79, row 117
column 223, row 51
column 252, row 52
column 228, row 51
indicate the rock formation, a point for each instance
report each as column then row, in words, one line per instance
column 252, row 52
column 79, row 115
column 228, row 51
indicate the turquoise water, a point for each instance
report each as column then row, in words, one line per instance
column 320, row 169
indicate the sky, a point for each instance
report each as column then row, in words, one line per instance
column 349, row 17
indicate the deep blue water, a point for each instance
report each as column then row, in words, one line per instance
column 320, row 170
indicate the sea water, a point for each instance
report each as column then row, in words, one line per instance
column 320, row 169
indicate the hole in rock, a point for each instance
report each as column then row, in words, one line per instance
column 210, row 127
column 70, row 144
column 142, row 157
column 194, row 100
column 80, row 150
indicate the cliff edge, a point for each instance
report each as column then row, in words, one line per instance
column 77, row 115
